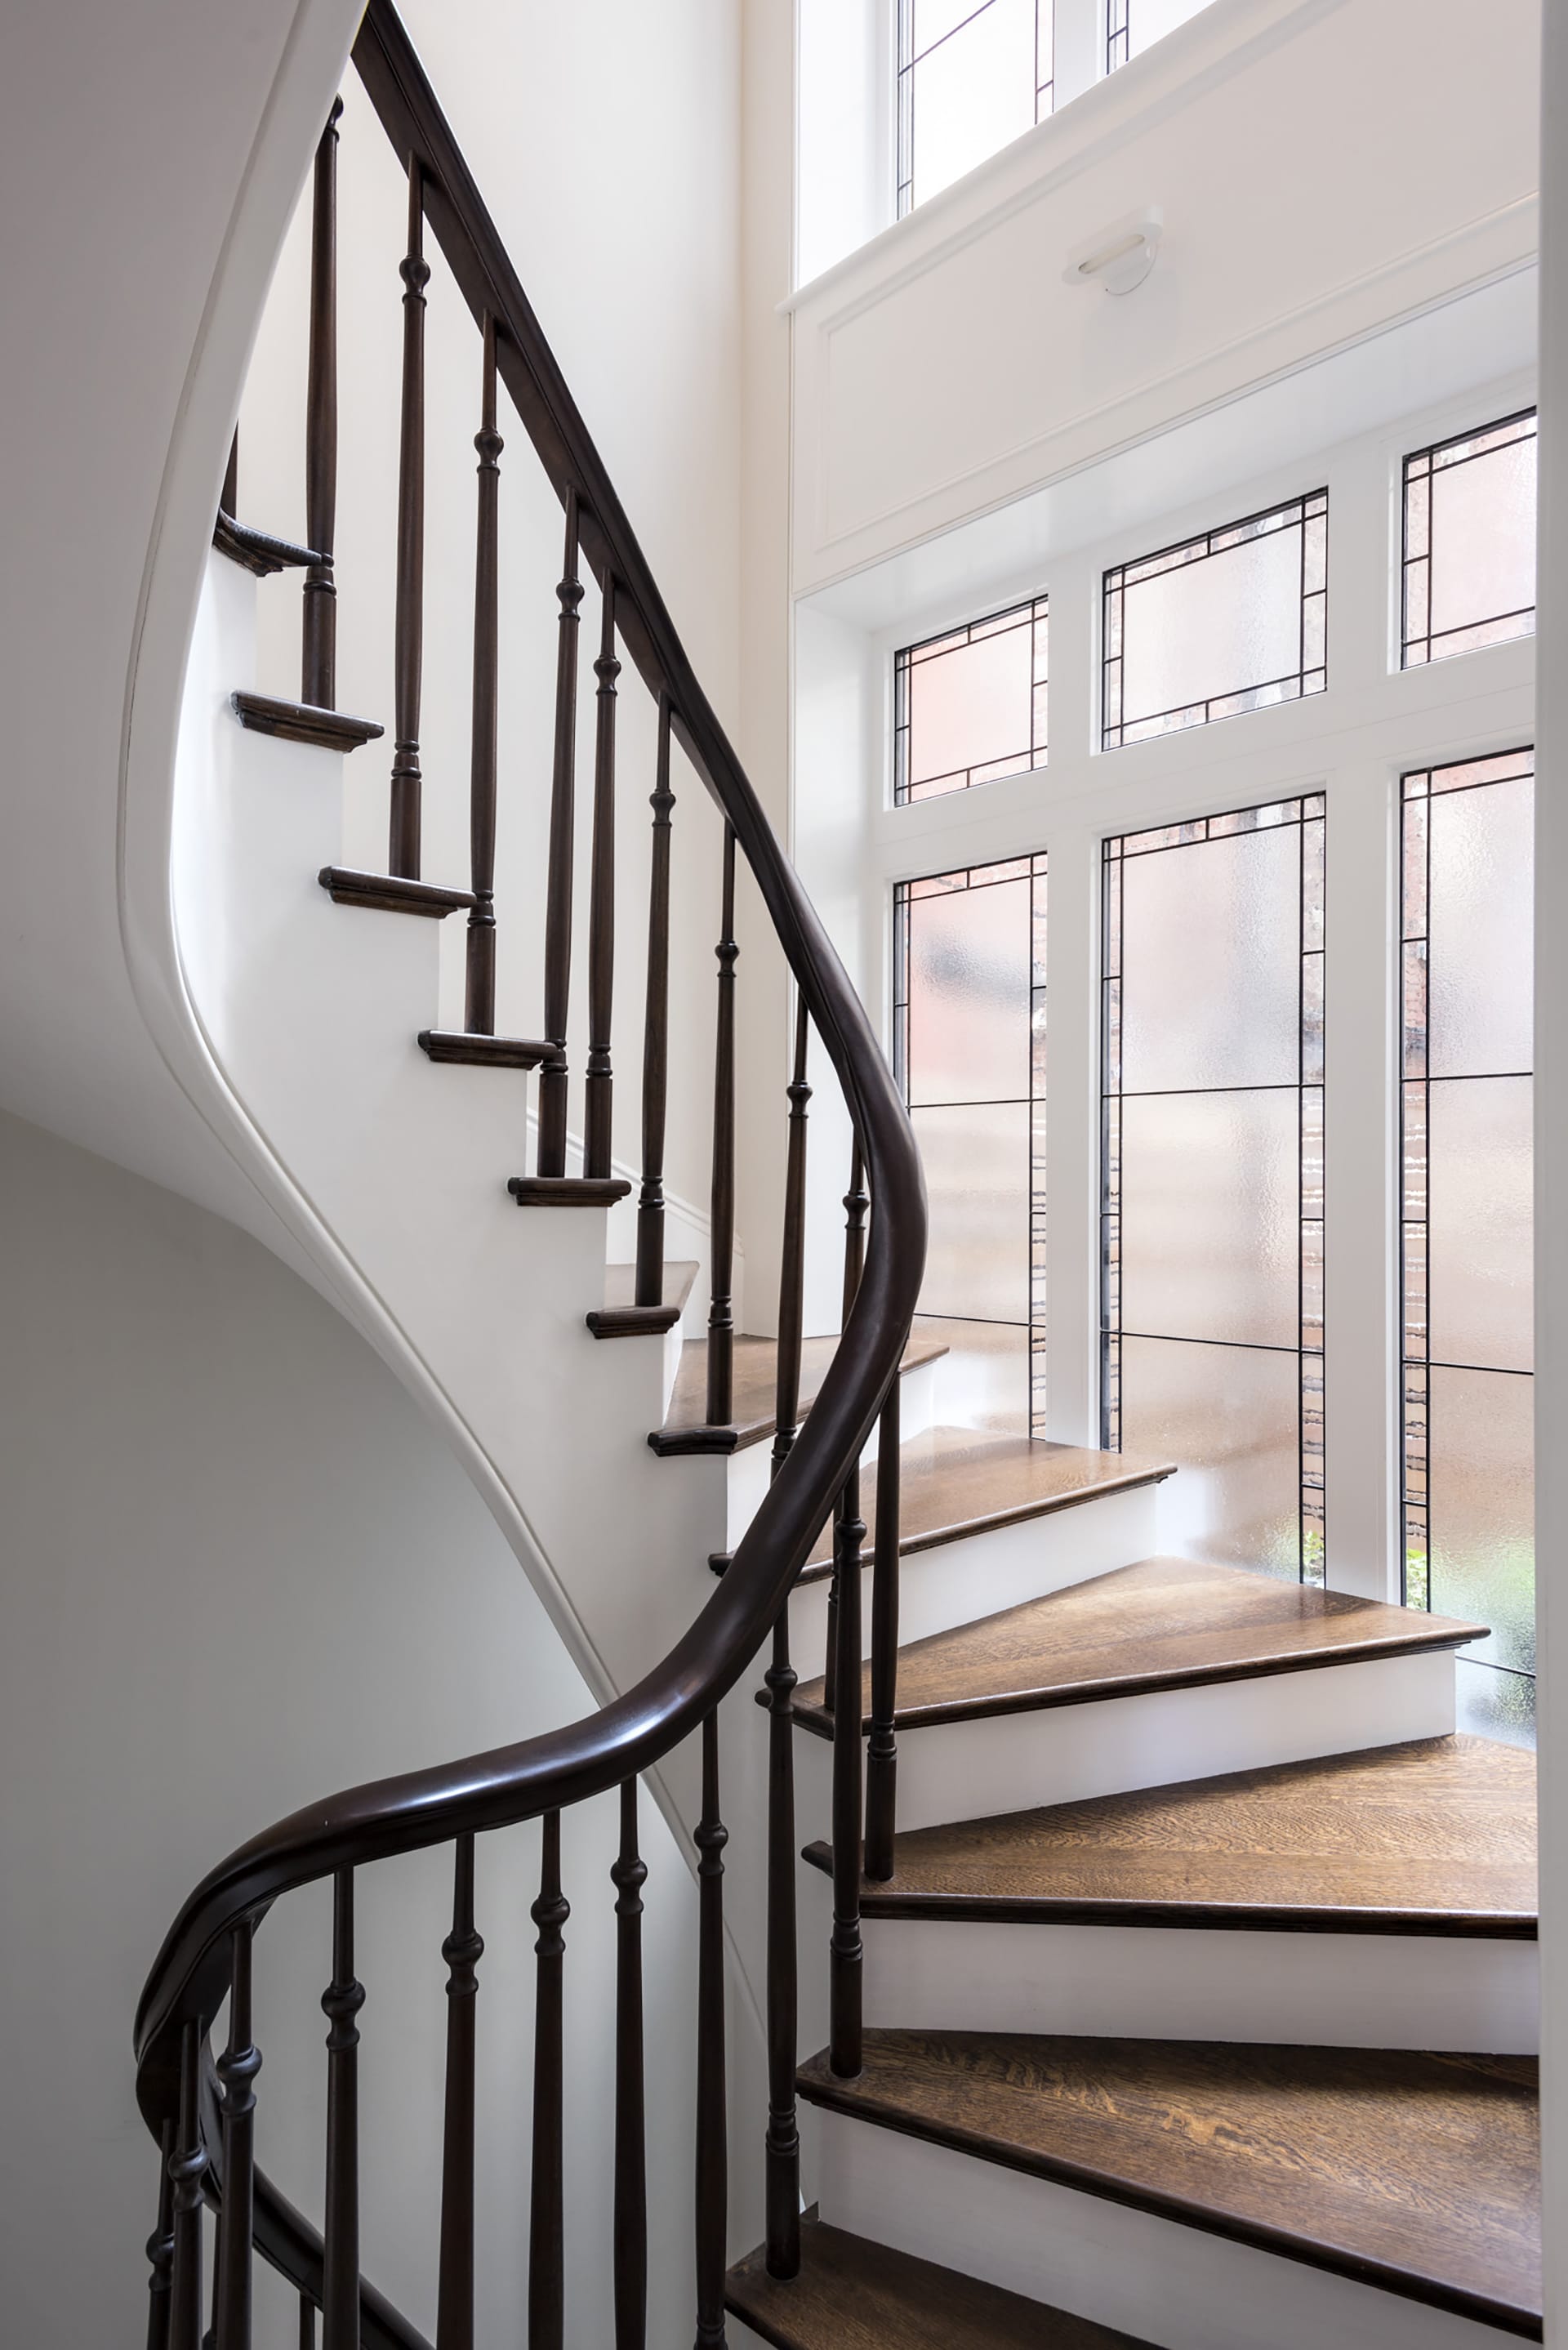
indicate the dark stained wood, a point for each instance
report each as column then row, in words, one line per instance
column 565, row 1192
column 483, row 1052
column 632, row 1321
column 318, row 654
column 304, row 721
column 846, row 1972
column 229, row 495
column 306, row 2323
column 479, row 999
column 160, row 2242
column 1166, row 1623
column 546, row 2251
column 1414, row 2172
column 755, row 1394
column 558, row 886
column 187, row 2171
column 955, row 1482
column 628, row 1874
column 385, row 893
column 463, row 1949
column 854, row 2294
column 782, row 2147
column 621, row 1317
column 713, row 2129
column 720, row 1390
column 340, row 2003
column 792, row 1256
column 656, row 1031
column 882, row 1747
column 598, row 1081
column 237, row 2069
column 1433, row 1837
column 407, row 647
column 256, row 551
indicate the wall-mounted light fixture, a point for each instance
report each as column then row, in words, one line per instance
column 1121, row 255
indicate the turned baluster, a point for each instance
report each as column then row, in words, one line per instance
column 340, row 2003
column 721, row 1317
column 461, row 1949
column 713, row 2129
column 478, row 1015
column 318, row 661
column 546, row 2269
column 856, row 1202
column 306, row 2323
column 558, row 887
column 187, row 2168
column 403, row 849
column 599, row 1084
column 882, row 1748
column 649, row 1288
column 237, row 2069
column 843, row 1984
column 629, row 1874
column 161, row 2249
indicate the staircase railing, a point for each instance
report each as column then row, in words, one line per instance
column 200, row 2109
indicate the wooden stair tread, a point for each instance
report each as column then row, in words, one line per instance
column 387, row 893
column 620, row 1317
column 958, row 1481
column 457, row 1045
column 1418, row 2173
column 1165, row 1623
column 568, row 1191
column 854, row 2294
column 1437, row 1836
column 304, row 721
column 755, row 1388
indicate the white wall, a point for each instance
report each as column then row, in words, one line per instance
column 239, row 1571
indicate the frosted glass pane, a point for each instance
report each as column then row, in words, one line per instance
column 1479, row 930
column 1482, row 1508
column 1209, row 1216
column 1210, row 975
column 1228, row 1416
column 1481, row 1266
column 969, row 994
column 1215, row 627
column 1483, row 538
column 971, row 707
column 973, row 94
column 977, row 1184
column 1150, row 20
column 1495, row 1704
column 984, row 1375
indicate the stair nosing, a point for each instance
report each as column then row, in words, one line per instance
column 304, row 721
column 457, row 1047
column 387, row 893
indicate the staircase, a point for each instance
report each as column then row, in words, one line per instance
column 1169, row 1960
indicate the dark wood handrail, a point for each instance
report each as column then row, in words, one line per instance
column 513, row 1783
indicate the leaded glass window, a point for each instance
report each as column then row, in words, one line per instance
column 972, row 75
column 1465, row 1219
column 1212, row 1136
column 1133, row 25
column 970, row 1050
column 971, row 705
column 1232, row 620
column 1469, row 542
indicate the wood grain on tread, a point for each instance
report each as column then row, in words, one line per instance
column 1166, row 1623
column 1433, row 1837
column 755, row 1388
column 1418, row 2173
column 958, row 1481
column 620, row 1317
column 854, row 2294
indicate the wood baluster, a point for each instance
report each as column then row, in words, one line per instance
column 629, row 1876
column 161, row 2249
column 597, row 1090
column 882, row 1749
column 650, row 1290
column 403, row 848
column 229, row 496
column 479, row 1014
column 856, row 1202
column 712, row 2127
column 318, row 658
column 340, row 2003
column 187, row 2168
column 843, row 2033
column 463, row 1949
column 306, row 2323
column 237, row 2069
column 721, row 1223
column 559, row 908
column 781, row 2150
column 547, row 2275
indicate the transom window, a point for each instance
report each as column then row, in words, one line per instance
column 972, row 706
column 1469, row 571
column 972, row 77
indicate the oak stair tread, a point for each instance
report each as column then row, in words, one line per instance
column 755, row 1392
column 568, row 1191
column 304, row 721
column 955, row 1482
column 389, row 893
column 1436, row 1836
column 620, row 1317
column 459, row 1045
column 854, row 2294
column 1163, row 1623
column 1414, row 2172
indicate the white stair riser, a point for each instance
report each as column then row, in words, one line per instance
column 751, row 1468
column 1066, row 1754
column 1156, row 2279
column 984, row 1573
column 1346, row 1991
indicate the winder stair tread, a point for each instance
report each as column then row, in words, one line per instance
column 852, row 2295
column 955, row 1482
column 752, row 1415
column 1414, row 2172
column 1436, row 1836
column 1165, row 1623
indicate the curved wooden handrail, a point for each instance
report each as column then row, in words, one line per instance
column 509, row 1785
